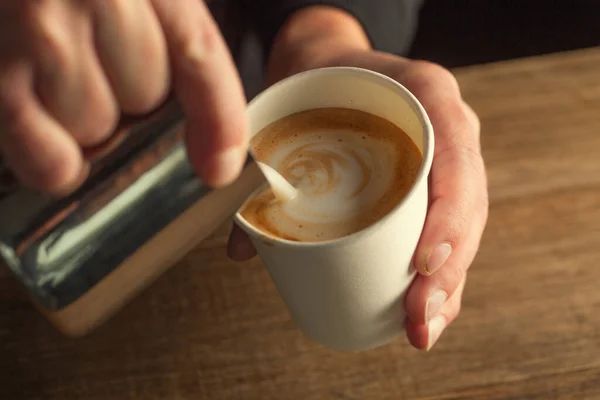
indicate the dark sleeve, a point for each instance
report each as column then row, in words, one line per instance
column 390, row 24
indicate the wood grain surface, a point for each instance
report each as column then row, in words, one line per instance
column 530, row 325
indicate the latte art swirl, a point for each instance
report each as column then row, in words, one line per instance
column 324, row 165
column 350, row 168
column 336, row 178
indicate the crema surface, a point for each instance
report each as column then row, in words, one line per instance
column 351, row 169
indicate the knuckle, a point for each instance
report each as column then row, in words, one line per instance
column 463, row 155
column 452, row 278
column 455, row 302
column 430, row 67
column 458, row 222
column 53, row 51
column 48, row 44
column 428, row 74
column 459, row 277
column 458, row 216
column 193, row 47
column 467, row 197
column 453, row 310
column 472, row 159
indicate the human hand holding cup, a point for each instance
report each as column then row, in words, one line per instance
column 347, row 293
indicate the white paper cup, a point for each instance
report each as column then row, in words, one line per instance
column 348, row 293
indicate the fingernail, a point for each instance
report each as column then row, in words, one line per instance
column 434, row 304
column 438, row 257
column 436, row 327
column 227, row 166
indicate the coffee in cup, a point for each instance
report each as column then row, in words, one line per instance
column 351, row 168
column 340, row 252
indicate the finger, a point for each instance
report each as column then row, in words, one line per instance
column 424, row 336
column 458, row 200
column 41, row 153
column 239, row 247
column 133, row 52
column 68, row 77
column 209, row 89
column 427, row 295
column 458, row 182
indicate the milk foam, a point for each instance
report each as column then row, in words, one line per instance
column 334, row 179
column 346, row 172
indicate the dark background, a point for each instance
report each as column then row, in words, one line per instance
column 464, row 32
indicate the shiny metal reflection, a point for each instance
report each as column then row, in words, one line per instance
column 59, row 250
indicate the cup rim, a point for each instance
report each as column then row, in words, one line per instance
column 422, row 174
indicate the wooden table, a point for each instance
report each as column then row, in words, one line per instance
column 530, row 325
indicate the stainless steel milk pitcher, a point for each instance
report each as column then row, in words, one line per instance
column 141, row 183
